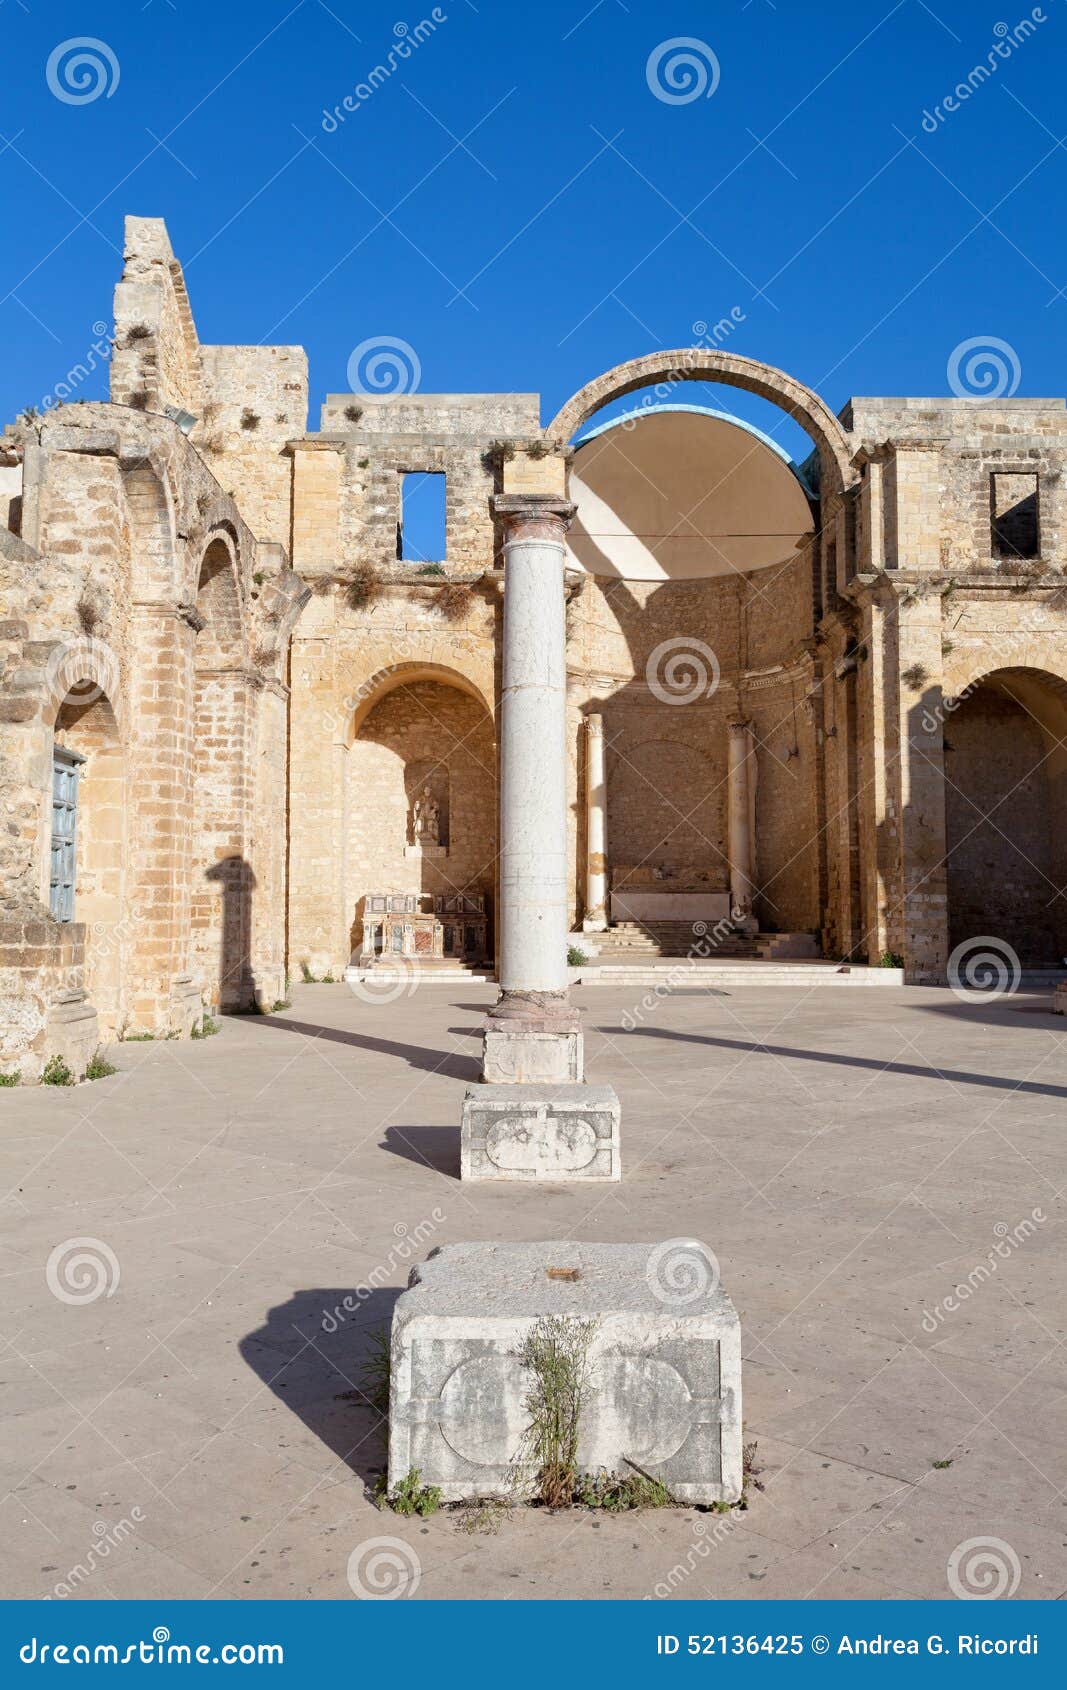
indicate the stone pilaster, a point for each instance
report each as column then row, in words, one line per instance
column 596, row 828
column 740, row 789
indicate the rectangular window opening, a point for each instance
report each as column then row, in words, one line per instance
column 1014, row 514
column 65, row 766
column 421, row 534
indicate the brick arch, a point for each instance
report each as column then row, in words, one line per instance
column 153, row 561
column 88, row 723
column 219, row 601
column 1005, row 748
column 378, row 686
column 1029, row 676
column 729, row 368
column 223, row 881
column 88, row 668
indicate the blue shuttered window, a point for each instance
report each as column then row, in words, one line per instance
column 65, row 766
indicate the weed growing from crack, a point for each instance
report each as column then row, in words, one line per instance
column 483, row 1517
column 410, row 1497
column 375, row 1373
column 57, row 1073
column 616, row 1494
column 556, row 1352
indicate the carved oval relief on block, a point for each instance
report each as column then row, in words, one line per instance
column 482, row 1417
column 561, row 1144
column 649, row 1403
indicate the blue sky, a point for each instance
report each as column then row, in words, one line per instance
column 517, row 201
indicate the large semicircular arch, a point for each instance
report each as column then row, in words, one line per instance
column 729, row 368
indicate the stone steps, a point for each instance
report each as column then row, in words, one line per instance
column 658, row 939
column 406, row 972
column 667, row 939
column 682, row 974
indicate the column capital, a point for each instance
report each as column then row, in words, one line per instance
column 534, row 516
column 594, row 725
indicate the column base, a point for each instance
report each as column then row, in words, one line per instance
column 72, row 1030
column 533, row 1046
column 540, row 1132
column 186, row 1008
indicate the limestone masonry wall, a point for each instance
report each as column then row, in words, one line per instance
column 203, row 606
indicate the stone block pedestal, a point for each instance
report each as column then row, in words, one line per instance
column 186, row 1009
column 663, row 1389
column 73, row 1030
column 533, row 1049
column 540, row 1132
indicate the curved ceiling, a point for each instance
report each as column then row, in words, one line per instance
column 680, row 492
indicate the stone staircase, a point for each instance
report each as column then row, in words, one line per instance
column 639, row 941
column 410, row 972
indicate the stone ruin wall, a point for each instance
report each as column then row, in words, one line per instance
column 666, row 763
column 347, row 504
column 117, row 512
column 839, row 659
column 935, row 611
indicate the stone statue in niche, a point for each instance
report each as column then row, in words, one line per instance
column 426, row 819
column 427, row 787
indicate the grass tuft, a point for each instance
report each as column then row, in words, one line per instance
column 56, row 1073
column 410, row 1497
column 375, row 1373
column 556, row 1353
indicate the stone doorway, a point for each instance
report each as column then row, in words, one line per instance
column 1005, row 787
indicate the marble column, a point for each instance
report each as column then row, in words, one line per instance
column 741, row 832
column 596, row 828
column 533, row 1034
column 533, row 922
column 532, row 1117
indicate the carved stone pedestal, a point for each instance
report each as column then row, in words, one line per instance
column 530, row 1132
column 662, row 1393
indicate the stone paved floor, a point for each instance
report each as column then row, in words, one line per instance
column 850, row 1155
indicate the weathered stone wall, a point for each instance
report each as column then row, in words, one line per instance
column 741, row 647
column 344, row 660
column 932, row 610
column 245, row 402
column 155, row 360
column 356, row 503
column 152, row 567
column 420, row 733
column 255, row 401
column 109, row 647
column 1002, row 868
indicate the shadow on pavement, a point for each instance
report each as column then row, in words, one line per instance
column 312, row 1352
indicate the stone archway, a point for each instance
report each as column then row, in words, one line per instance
column 419, row 728
column 709, row 564
column 700, row 364
column 222, row 886
column 371, row 693
column 1005, row 739
column 88, row 754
